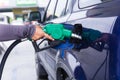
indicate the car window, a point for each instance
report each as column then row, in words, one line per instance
column 87, row 3
column 61, row 7
column 68, row 8
column 4, row 19
column 50, row 10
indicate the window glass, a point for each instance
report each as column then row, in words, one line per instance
column 68, row 7
column 76, row 7
column 86, row 3
column 60, row 9
column 50, row 11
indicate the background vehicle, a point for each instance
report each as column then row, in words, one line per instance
column 90, row 63
column 4, row 19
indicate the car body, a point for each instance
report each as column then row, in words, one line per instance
column 85, row 64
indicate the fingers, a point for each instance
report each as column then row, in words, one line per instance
column 39, row 33
column 48, row 37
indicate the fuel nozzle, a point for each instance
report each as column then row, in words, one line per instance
column 76, row 36
column 58, row 32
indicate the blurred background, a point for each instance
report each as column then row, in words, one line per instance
column 17, row 10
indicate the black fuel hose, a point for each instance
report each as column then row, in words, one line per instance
column 6, row 56
column 54, row 43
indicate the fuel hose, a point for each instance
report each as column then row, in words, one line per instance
column 7, row 54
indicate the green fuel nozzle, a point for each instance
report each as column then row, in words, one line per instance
column 58, row 32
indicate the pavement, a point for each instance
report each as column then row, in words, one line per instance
column 20, row 64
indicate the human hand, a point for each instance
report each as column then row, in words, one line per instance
column 39, row 33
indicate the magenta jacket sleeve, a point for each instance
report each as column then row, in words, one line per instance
column 12, row 32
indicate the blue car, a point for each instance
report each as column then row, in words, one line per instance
column 67, row 61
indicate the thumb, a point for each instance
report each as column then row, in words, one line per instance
column 48, row 37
